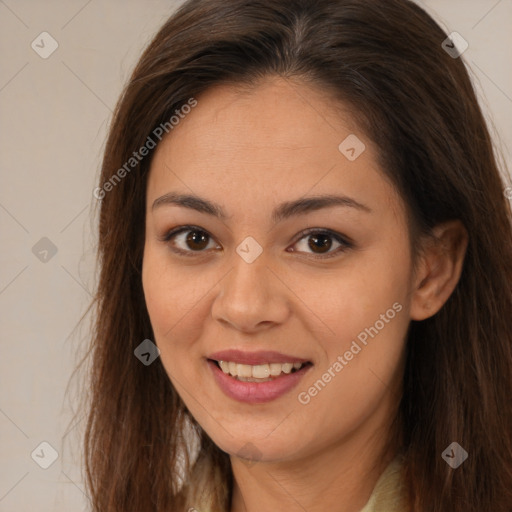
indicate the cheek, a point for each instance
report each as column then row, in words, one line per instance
column 158, row 293
column 356, row 379
column 353, row 297
column 366, row 309
column 177, row 306
column 170, row 292
column 167, row 298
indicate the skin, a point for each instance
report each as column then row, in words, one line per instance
column 249, row 151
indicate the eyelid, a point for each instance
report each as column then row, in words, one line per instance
column 181, row 229
column 344, row 241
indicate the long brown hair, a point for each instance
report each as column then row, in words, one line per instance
column 416, row 102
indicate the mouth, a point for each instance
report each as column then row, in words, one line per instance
column 259, row 382
column 265, row 372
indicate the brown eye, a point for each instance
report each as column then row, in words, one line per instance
column 189, row 240
column 320, row 242
column 197, row 240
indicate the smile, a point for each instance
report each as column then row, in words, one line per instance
column 260, row 372
column 257, row 383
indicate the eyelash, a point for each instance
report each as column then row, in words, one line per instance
column 344, row 242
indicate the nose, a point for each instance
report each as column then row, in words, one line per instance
column 251, row 297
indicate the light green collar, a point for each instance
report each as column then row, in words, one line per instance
column 388, row 494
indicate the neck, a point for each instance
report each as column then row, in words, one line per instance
column 337, row 477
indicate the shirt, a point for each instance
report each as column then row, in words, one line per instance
column 388, row 494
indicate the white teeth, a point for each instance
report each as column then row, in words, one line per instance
column 243, row 370
column 275, row 369
column 287, row 367
column 259, row 372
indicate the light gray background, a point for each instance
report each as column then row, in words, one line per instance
column 54, row 117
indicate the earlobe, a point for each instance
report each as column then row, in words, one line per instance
column 439, row 269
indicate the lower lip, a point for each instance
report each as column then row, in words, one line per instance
column 256, row 392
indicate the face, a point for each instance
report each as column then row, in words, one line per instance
column 253, row 273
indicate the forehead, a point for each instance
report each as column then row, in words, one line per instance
column 275, row 113
column 278, row 139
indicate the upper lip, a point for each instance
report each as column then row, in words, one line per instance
column 254, row 358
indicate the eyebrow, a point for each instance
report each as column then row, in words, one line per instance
column 283, row 211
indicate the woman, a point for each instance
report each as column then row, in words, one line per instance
column 300, row 207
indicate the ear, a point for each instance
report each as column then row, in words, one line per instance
column 439, row 269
